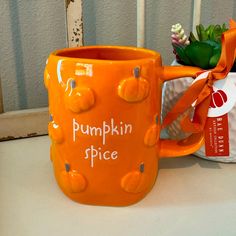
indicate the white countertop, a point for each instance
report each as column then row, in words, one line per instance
column 191, row 197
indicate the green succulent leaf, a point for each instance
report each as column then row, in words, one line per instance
column 192, row 37
column 216, row 35
column 212, row 32
column 199, row 53
column 198, row 32
column 214, row 60
column 181, row 53
column 216, row 46
column 203, row 34
column 224, row 28
column 204, row 51
column 209, row 31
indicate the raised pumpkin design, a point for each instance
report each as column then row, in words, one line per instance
column 135, row 181
column 151, row 136
column 79, row 99
column 72, row 181
column 46, row 78
column 52, row 152
column 218, row 98
column 55, row 132
column 134, row 89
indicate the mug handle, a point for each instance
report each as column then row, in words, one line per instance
column 176, row 148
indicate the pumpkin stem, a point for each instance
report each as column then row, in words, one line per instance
column 67, row 166
column 141, row 167
column 137, row 72
column 72, row 83
column 156, row 120
column 50, row 117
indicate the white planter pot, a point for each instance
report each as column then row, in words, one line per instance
column 172, row 91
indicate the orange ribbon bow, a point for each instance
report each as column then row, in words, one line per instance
column 200, row 91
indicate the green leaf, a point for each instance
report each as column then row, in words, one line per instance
column 198, row 32
column 192, row 37
column 214, row 60
column 199, row 53
column 216, row 36
column 224, row 28
column 216, row 46
column 209, row 31
column 181, row 53
column 203, row 34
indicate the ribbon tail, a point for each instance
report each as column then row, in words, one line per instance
column 197, row 124
column 185, row 102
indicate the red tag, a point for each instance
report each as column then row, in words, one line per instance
column 217, row 136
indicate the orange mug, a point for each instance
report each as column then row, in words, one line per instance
column 105, row 109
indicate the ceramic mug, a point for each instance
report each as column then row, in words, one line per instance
column 105, row 109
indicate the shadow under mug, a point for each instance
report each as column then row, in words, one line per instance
column 105, row 109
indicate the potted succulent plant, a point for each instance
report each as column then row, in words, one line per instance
column 202, row 50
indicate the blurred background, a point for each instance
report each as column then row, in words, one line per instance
column 31, row 29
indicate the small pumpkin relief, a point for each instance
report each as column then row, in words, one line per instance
column 134, row 89
column 72, row 181
column 134, row 181
column 55, row 132
column 151, row 136
column 46, row 78
column 52, row 152
column 79, row 99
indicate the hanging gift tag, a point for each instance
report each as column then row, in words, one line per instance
column 223, row 100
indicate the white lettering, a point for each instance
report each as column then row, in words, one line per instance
column 114, row 129
column 128, row 127
column 86, row 131
column 100, row 153
column 92, row 152
column 95, row 131
column 86, row 151
column 105, row 130
column 104, row 155
column 121, row 128
column 75, row 129
column 114, row 155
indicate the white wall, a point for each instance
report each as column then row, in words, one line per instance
column 30, row 29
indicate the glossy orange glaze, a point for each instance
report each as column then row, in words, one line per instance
column 105, row 104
